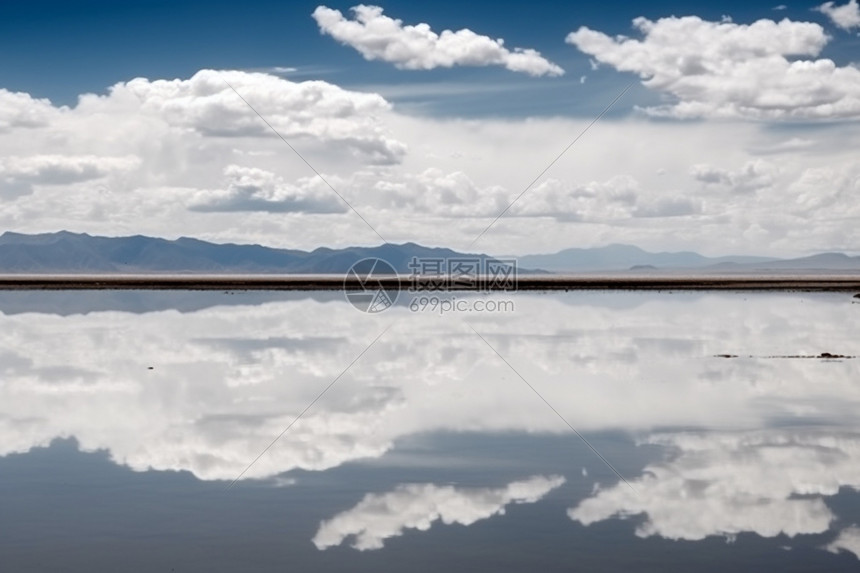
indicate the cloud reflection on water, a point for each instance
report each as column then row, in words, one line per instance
column 745, row 444
column 378, row 517
column 225, row 380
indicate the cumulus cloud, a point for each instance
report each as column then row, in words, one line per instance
column 440, row 193
column 183, row 133
column 826, row 189
column 378, row 517
column 455, row 194
column 19, row 174
column 767, row 482
column 62, row 169
column 847, row 540
column 253, row 189
column 379, row 37
column 846, row 16
column 752, row 176
column 595, row 200
column 22, row 110
column 457, row 173
column 726, row 70
column 618, row 198
column 205, row 104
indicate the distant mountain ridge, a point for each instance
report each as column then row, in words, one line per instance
column 822, row 262
column 624, row 257
column 613, row 258
column 67, row 252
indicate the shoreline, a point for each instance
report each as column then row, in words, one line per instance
column 832, row 283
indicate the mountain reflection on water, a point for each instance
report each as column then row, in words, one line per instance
column 430, row 445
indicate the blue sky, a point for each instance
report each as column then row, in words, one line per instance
column 59, row 49
column 735, row 135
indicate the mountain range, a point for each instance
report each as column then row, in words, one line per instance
column 66, row 252
column 627, row 257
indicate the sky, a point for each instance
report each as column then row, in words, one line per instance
column 481, row 127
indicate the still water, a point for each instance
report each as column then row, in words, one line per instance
column 576, row 431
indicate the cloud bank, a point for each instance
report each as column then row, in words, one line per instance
column 252, row 189
column 187, row 157
column 18, row 174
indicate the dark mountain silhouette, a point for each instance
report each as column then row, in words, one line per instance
column 66, row 252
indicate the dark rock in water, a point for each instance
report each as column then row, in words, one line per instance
column 822, row 356
column 857, row 295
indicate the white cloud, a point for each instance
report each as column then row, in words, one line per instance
column 788, row 145
column 596, row 200
column 848, row 540
column 752, row 176
column 668, row 207
column 252, row 189
column 436, row 192
column 377, row 36
column 846, row 16
column 728, row 70
column 206, row 104
column 767, row 482
column 378, row 517
column 826, row 189
column 19, row 174
column 22, row 110
column 63, row 169
column 456, row 176
column 619, row 198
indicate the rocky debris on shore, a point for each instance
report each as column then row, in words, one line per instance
column 822, row 356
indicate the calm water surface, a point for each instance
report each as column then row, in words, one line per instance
column 124, row 418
